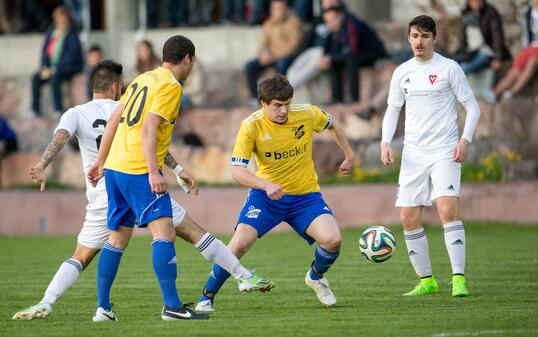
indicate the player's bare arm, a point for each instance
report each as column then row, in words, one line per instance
column 184, row 179
column 149, row 148
column 95, row 173
column 37, row 172
column 340, row 138
column 243, row 176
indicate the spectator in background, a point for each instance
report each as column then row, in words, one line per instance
column 282, row 34
column 201, row 12
column 302, row 8
column 61, row 58
column 306, row 65
column 8, row 138
column 526, row 62
column 351, row 45
column 146, row 59
column 94, row 55
column 482, row 42
column 233, row 11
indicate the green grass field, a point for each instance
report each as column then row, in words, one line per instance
column 502, row 271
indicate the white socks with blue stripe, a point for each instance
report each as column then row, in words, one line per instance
column 418, row 251
column 455, row 245
column 65, row 277
column 214, row 250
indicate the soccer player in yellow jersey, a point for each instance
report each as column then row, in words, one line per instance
column 285, row 187
column 135, row 145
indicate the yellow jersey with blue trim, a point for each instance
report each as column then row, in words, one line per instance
column 156, row 92
column 283, row 152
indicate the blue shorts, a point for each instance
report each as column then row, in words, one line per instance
column 130, row 200
column 297, row 210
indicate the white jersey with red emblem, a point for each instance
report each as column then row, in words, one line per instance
column 429, row 91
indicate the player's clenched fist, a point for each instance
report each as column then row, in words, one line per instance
column 347, row 166
column 273, row 191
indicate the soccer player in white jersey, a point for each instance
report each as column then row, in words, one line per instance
column 87, row 122
column 429, row 85
column 285, row 186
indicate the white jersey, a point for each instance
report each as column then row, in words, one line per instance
column 87, row 122
column 429, row 91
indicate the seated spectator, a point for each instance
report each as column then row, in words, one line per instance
column 233, row 11
column 306, row 65
column 8, row 139
column 482, row 42
column 282, row 34
column 61, row 58
column 94, row 55
column 351, row 45
column 146, row 59
column 526, row 62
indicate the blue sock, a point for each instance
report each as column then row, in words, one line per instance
column 322, row 262
column 107, row 267
column 165, row 267
column 214, row 282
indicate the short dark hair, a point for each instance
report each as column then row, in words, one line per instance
column 104, row 74
column 423, row 23
column 95, row 48
column 277, row 87
column 176, row 48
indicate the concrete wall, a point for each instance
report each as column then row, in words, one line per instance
column 28, row 212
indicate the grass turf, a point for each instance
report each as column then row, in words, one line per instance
column 502, row 271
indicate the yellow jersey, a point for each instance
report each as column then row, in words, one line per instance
column 283, row 152
column 155, row 91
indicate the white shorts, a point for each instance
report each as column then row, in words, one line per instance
column 425, row 177
column 94, row 232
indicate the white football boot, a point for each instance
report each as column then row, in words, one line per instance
column 102, row 315
column 322, row 289
column 40, row 310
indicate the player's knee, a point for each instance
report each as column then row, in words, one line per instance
column 84, row 256
column 409, row 220
column 332, row 243
column 239, row 248
column 448, row 213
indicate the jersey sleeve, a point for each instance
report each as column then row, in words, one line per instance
column 321, row 119
column 166, row 101
column 396, row 97
column 244, row 145
column 68, row 122
column 459, row 84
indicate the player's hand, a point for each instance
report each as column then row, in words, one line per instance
column 156, row 182
column 273, row 191
column 460, row 152
column 386, row 154
column 185, row 179
column 37, row 174
column 347, row 166
column 324, row 63
column 95, row 173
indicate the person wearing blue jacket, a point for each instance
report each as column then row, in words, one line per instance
column 61, row 58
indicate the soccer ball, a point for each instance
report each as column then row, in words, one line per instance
column 377, row 244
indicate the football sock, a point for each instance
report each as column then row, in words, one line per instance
column 165, row 267
column 417, row 249
column 216, row 279
column 107, row 267
column 215, row 251
column 455, row 245
column 64, row 278
column 323, row 260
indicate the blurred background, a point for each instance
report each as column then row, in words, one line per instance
column 343, row 64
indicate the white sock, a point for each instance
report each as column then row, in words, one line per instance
column 455, row 245
column 214, row 250
column 418, row 251
column 65, row 277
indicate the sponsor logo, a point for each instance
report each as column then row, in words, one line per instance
column 185, row 314
column 457, row 242
column 298, row 132
column 327, row 209
column 173, row 261
column 253, row 212
column 405, row 90
column 407, row 81
column 296, row 151
column 412, row 253
column 450, row 188
column 156, row 210
column 267, row 137
column 432, row 78
column 110, row 317
column 212, row 275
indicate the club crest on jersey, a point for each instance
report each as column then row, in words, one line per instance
column 253, row 212
column 298, row 132
column 433, row 78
